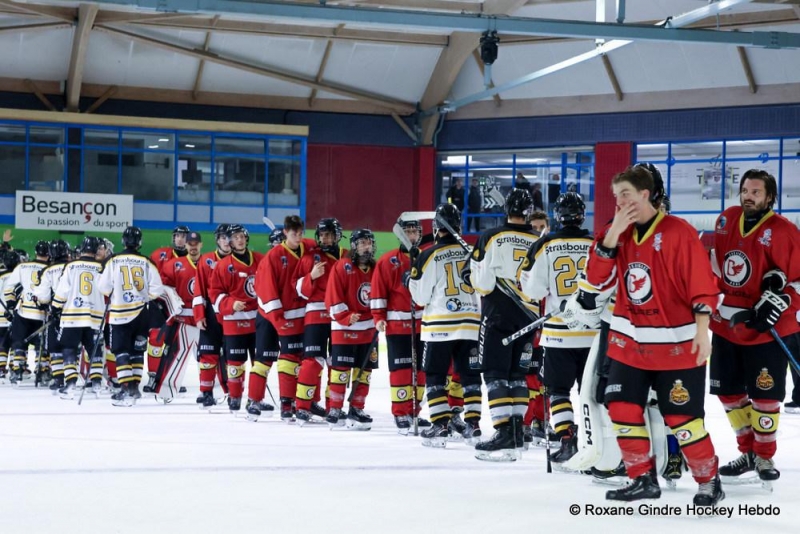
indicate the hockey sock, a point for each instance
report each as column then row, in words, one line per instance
column 307, row 383
column 499, row 395
column 632, row 437
column 437, row 403
column 137, row 367
column 340, row 377
column 208, row 369
column 328, row 391
column 20, row 359
column 3, row 359
column 155, row 349
column 288, row 367
column 561, row 414
column 519, row 397
column 70, row 365
column 400, row 391
column 361, row 384
column 257, row 383
column 455, row 392
column 421, row 381
column 765, row 417
column 124, row 371
column 111, row 366
column 235, row 379
column 472, row 401
column 738, row 410
column 57, row 364
column 695, row 444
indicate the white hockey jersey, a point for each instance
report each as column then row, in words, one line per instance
column 452, row 309
column 551, row 271
column 131, row 281
column 4, row 323
column 48, row 281
column 25, row 274
column 78, row 294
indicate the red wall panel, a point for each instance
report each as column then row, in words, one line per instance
column 367, row 186
column 609, row 159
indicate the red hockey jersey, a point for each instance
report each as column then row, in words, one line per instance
column 278, row 300
column 181, row 273
column 390, row 300
column 205, row 267
column 348, row 292
column 741, row 261
column 662, row 275
column 313, row 291
column 162, row 255
column 235, row 280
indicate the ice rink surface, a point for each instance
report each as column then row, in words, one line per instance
column 174, row 468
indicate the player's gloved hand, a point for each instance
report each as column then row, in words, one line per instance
column 466, row 276
column 8, row 315
column 774, row 280
column 581, row 311
column 768, row 310
column 406, row 278
column 42, row 306
column 55, row 313
column 413, row 254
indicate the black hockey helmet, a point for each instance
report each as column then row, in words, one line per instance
column 238, row 228
column 181, row 229
column 132, row 237
column 666, row 204
column 569, row 209
column 658, row 183
column 414, row 224
column 221, row 230
column 59, row 250
column 90, row 245
column 451, row 214
column 355, row 237
column 519, row 203
column 329, row 224
column 276, row 237
column 42, row 248
column 23, row 255
column 9, row 259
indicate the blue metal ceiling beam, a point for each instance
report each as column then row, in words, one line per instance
column 470, row 22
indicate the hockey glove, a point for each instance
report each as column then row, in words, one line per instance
column 466, row 276
column 774, row 281
column 582, row 311
column 406, row 279
column 768, row 310
column 55, row 314
column 8, row 315
column 413, row 254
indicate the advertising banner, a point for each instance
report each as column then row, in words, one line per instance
column 79, row 212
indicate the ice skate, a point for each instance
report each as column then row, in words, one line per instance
column 709, row 493
column 436, row 435
column 791, row 407
column 234, row 404
column 335, row 418
column 500, row 447
column 567, row 449
column 642, row 487
column 674, row 469
column 403, row 424
column 122, row 398
column 472, row 431
column 134, row 393
column 740, row 471
column 456, row 426
column 67, row 392
column 767, row 474
column 287, row 410
column 302, row 417
column 611, row 477
column 150, row 387
column 357, row 419
column 56, row 384
column 253, row 410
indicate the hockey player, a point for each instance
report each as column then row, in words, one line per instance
column 78, row 304
column 391, row 310
column 495, row 264
column 9, row 260
column 280, row 304
column 130, row 280
column 43, row 294
column 29, row 316
column 353, row 334
column 312, row 276
column 177, row 250
column 232, row 290
column 450, row 324
column 210, row 342
column 551, row 271
column 757, row 257
column 659, row 334
column 182, row 334
column 276, row 237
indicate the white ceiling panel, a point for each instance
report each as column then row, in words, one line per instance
column 39, row 55
column 295, row 55
column 219, row 78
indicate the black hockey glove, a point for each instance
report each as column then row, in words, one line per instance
column 38, row 304
column 55, row 314
column 774, row 281
column 406, row 279
column 768, row 310
column 8, row 315
column 466, row 275
column 413, row 254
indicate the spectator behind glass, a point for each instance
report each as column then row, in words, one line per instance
column 475, row 203
column 455, row 195
column 538, row 199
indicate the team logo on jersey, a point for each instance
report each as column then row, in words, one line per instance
column 250, row 286
column 317, row 258
column 678, row 395
column 284, row 262
column 178, row 265
column 766, row 238
column 766, row 422
column 128, row 297
column 348, row 268
column 657, row 241
column 231, row 269
column 765, row 380
column 395, row 262
column 190, row 286
column 683, row 435
column 363, row 293
column 163, row 256
column 77, row 302
column 638, row 283
column 453, row 305
column 721, row 225
column 736, row 268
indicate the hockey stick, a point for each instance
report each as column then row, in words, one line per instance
column 533, row 326
column 268, row 223
column 98, row 340
column 372, row 346
column 745, row 315
column 37, row 332
column 416, row 215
